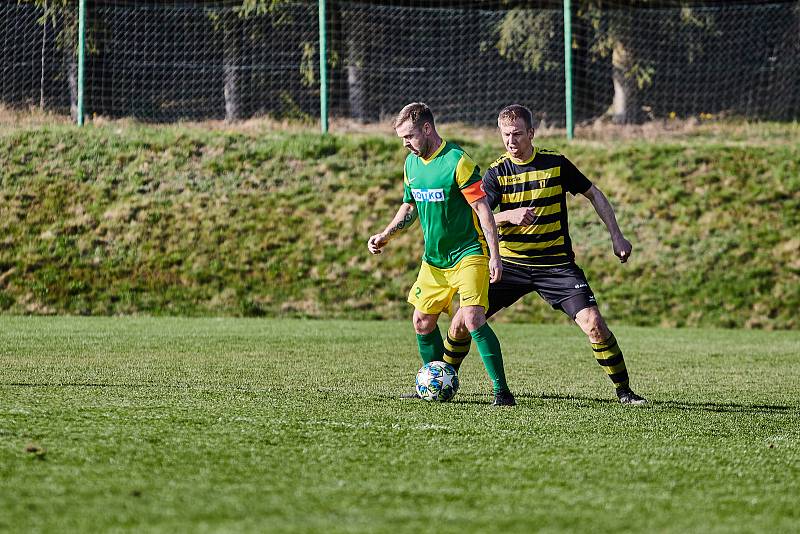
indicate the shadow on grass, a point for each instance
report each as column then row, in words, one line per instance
column 481, row 398
column 672, row 404
column 720, row 407
column 725, row 407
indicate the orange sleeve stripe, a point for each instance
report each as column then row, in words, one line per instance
column 474, row 192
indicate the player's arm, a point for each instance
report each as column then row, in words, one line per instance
column 486, row 219
column 622, row 247
column 405, row 217
column 518, row 216
column 482, row 196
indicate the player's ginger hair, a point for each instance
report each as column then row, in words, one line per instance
column 513, row 112
column 416, row 112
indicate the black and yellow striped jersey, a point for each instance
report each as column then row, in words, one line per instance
column 541, row 183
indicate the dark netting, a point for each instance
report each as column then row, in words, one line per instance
column 36, row 69
column 685, row 61
column 632, row 61
column 157, row 63
column 199, row 60
column 446, row 57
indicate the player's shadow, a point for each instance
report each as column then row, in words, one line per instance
column 719, row 407
column 672, row 404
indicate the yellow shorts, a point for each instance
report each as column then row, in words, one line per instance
column 433, row 291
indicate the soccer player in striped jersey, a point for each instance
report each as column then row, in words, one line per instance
column 529, row 185
column 442, row 187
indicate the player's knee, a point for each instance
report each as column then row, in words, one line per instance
column 474, row 317
column 424, row 324
column 459, row 330
column 596, row 333
column 596, row 328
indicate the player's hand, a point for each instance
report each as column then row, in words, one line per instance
column 376, row 243
column 520, row 216
column 495, row 270
column 622, row 249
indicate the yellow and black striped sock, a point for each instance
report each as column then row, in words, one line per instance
column 455, row 350
column 609, row 356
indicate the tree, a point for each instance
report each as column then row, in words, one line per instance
column 229, row 25
column 63, row 14
column 239, row 37
column 631, row 71
column 64, row 17
column 524, row 35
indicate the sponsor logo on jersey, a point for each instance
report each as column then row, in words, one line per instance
column 428, row 195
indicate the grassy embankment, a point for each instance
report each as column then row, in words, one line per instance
column 129, row 219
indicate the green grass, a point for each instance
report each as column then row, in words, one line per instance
column 189, row 220
column 253, row 425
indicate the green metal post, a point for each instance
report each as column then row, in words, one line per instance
column 568, row 66
column 323, row 70
column 81, row 56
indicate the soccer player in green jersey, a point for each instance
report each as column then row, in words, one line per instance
column 442, row 187
column 529, row 185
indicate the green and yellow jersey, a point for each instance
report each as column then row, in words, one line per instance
column 442, row 188
column 541, row 183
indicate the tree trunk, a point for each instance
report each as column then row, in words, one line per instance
column 231, row 67
column 72, row 80
column 358, row 55
column 356, row 94
column 626, row 108
column 44, row 45
column 338, row 74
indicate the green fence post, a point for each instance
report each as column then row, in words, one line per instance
column 81, row 56
column 323, row 70
column 568, row 66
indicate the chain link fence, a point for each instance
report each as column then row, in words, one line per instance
column 166, row 61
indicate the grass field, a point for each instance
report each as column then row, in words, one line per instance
column 212, row 425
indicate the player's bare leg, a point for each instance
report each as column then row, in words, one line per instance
column 424, row 323
column 593, row 325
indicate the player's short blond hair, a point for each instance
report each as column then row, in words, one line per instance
column 416, row 112
column 513, row 112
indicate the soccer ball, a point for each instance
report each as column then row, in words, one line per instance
column 437, row 381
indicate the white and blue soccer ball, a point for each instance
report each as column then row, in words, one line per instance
column 437, row 381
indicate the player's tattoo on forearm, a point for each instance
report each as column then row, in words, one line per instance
column 406, row 222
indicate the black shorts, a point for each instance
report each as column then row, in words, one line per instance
column 563, row 287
